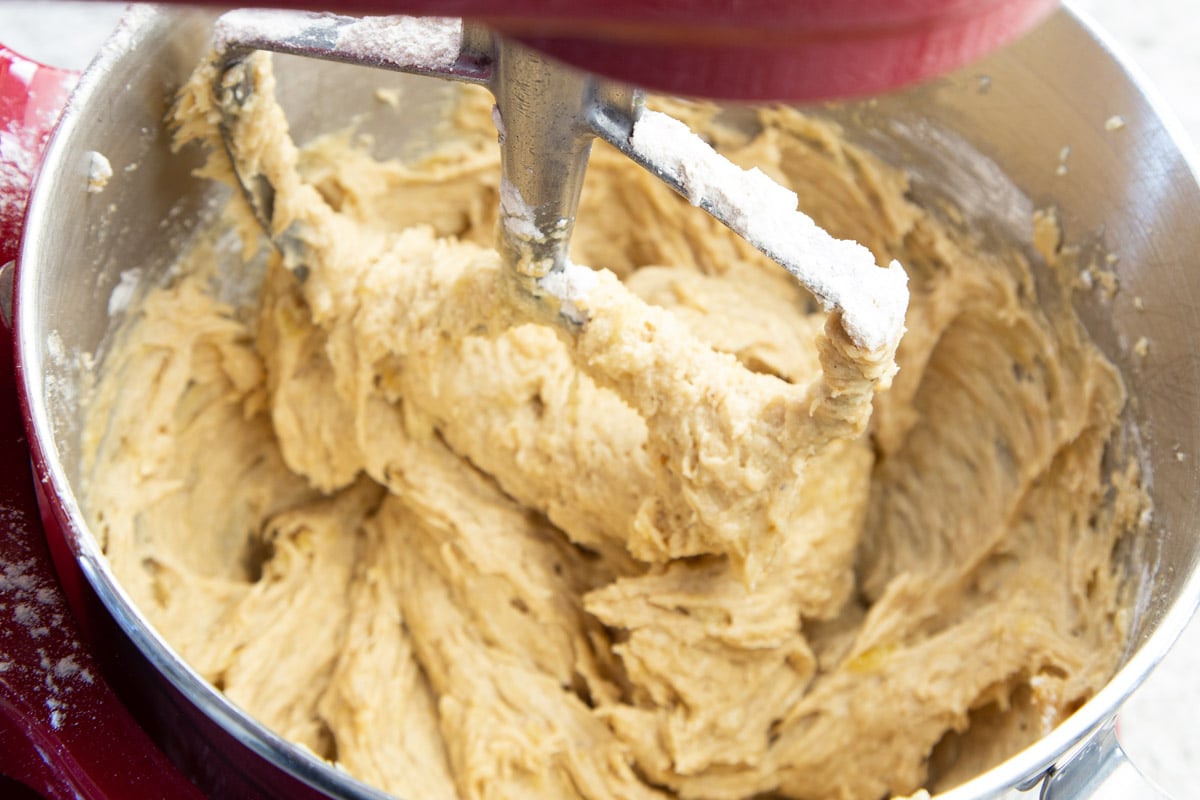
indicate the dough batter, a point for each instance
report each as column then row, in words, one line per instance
column 694, row 551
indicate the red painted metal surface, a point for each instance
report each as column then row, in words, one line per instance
column 31, row 100
column 766, row 50
column 63, row 731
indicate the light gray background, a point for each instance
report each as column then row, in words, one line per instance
column 1159, row 725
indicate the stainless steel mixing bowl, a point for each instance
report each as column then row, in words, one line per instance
column 990, row 139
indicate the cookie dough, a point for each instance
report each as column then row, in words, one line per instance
column 698, row 549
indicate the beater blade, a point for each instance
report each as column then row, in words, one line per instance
column 547, row 116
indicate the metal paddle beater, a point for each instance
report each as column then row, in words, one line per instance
column 547, row 116
column 701, row 410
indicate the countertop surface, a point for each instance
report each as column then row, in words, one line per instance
column 1161, row 37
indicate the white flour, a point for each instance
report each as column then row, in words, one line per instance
column 99, row 172
column 252, row 23
column 122, row 293
column 570, row 284
column 840, row 273
column 37, row 607
column 424, row 42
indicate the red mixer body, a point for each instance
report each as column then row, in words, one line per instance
column 796, row 50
